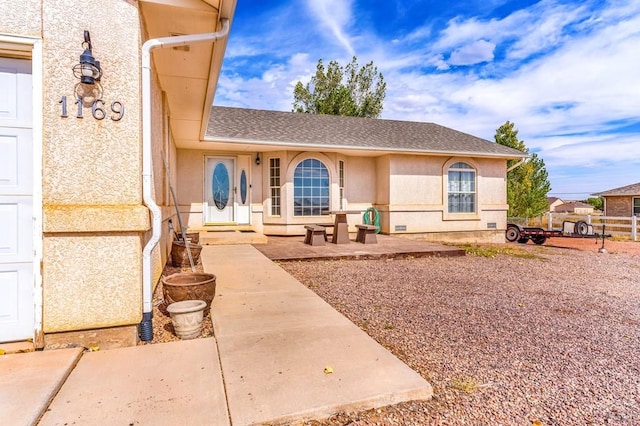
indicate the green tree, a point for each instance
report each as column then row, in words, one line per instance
column 352, row 90
column 596, row 202
column 527, row 184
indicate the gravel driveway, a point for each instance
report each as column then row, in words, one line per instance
column 537, row 336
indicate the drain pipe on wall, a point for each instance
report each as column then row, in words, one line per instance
column 146, row 326
column 518, row 164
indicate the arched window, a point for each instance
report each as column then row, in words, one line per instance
column 462, row 188
column 310, row 188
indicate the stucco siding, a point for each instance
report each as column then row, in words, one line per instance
column 360, row 179
column 408, row 190
column 382, row 180
column 20, row 17
column 90, row 281
column 415, row 180
column 93, row 217
column 89, row 161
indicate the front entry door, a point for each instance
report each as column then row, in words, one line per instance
column 16, row 201
column 219, row 190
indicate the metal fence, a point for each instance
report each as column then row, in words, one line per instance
column 613, row 225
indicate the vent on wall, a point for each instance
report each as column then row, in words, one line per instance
column 491, row 225
column 401, row 227
column 183, row 48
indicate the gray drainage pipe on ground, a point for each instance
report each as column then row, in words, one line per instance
column 146, row 326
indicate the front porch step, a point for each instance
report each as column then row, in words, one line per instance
column 227, row 237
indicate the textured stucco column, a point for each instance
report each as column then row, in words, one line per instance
column 93, row 216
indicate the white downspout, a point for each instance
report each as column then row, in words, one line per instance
column 522, row 160
column 146, row 328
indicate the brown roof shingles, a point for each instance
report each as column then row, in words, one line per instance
column 633, row 189
column 329, row 131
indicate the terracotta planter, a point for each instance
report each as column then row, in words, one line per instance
column 186, row 317
column 193, row 237
column 180, row 255
column 189, row 286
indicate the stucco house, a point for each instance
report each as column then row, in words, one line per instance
column 422, row 178
column 554, row 202
column 98, row 96
column 623, row 201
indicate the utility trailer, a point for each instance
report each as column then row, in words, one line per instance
column 521, row 234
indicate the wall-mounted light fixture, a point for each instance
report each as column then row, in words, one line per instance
column 257, row 158
column 88, row 70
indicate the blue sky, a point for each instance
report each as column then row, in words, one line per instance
column 567, row 73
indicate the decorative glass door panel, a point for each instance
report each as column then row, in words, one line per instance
column 219, row 190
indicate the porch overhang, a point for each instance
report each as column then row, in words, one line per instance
column 188, row 75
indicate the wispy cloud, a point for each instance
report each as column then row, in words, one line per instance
column 335, row 15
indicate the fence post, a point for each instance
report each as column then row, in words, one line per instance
column 589, row 219
column 550, row 222
column 634, row 228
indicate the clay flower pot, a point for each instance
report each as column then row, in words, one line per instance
column 180, row 255
column 189, row 286
column 186, row 317
column 193, row 237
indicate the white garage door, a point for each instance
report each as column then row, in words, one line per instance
column 16, row 206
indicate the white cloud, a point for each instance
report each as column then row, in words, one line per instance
column 335, row 15
column 474, row 53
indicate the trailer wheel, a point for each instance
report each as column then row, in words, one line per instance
column 512, row 234
column 523, row 240
column 581, row 228
column 539, row 239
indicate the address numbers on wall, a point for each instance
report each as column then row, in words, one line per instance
column 99, row 109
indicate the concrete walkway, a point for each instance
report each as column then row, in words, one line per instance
column 269, row 363
column 276, row 338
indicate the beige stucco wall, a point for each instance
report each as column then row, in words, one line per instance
column 20, row 17
column 94, row 281
column 417, row 196
column 93, row 218
column 408, row 190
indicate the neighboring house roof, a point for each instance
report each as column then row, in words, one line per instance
column 240, row 125
column 552, row 200
column 572, row 206
column 633, row 189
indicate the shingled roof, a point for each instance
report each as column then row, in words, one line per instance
column 242, row 125
column 633, row 189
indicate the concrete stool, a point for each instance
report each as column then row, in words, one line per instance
column 366, row 234
column 316, row 235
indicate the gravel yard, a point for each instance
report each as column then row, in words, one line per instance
column 538, row 335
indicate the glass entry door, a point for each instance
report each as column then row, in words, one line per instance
column 219, row 190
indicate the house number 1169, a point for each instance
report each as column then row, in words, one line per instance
column 97, row 109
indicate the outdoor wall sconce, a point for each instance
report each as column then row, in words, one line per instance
column 88, row 70
column 257, row 158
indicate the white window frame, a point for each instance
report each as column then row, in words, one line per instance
column 275, row 186
column 319, row 189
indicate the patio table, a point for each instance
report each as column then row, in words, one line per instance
column 340, row 227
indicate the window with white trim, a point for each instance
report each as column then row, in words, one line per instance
column 636, row 206
column 341, row 175
column 274, row 185
column 310, row 188
column 461, row 190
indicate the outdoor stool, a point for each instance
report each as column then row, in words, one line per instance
column 316, row 235
column 326, row 225
column 366, row 234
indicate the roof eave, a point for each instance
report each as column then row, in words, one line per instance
column 287, row 144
